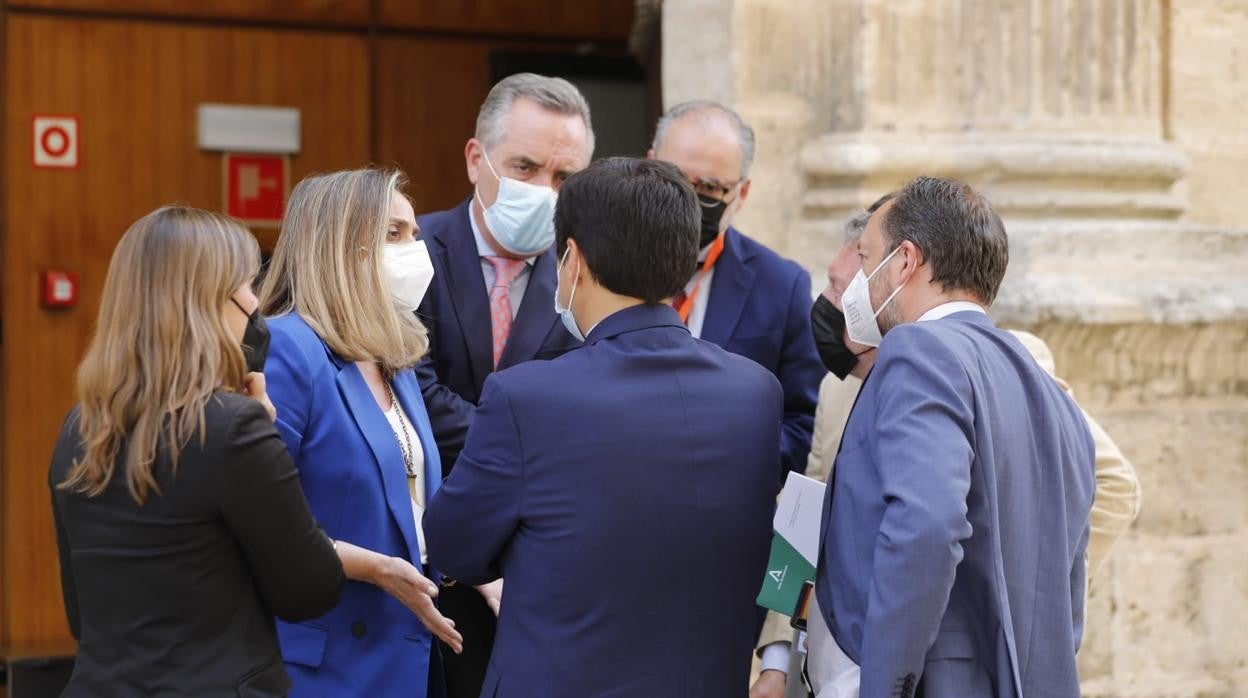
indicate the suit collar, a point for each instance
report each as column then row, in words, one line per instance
column 466, row 284
column 386, row 454
column 977, row 317
column 637, row 317
column 730, row 289
column 951, row 308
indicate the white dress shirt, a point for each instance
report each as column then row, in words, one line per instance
column 518, row 285
column 947, row 309
column 697, row 314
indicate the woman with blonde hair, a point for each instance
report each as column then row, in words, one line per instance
column 179, row 518
column 340, row 293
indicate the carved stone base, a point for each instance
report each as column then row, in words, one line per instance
column 1025, row 176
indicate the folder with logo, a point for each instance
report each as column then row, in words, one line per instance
column 794, row 543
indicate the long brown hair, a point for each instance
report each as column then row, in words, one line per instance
column 327, row 267
column 162, row 345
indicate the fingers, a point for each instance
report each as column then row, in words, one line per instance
column 254, row 384
column 441, row 626
column 422, row 583
column 419, row 598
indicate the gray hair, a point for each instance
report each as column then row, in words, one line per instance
column 855, row 226
column 555, row 94
column 745, row 134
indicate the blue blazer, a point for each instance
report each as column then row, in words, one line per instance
column 625, row 493
column 352, row 474
column 955, row 528
column 457, row 312
column 759, row 307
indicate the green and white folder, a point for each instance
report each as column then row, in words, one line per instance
column 794, row 544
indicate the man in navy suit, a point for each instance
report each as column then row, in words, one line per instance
column 743, row 297
column 624, row 490
column 955, row 527
column 491, row 304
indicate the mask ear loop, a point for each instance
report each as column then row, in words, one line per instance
column 244, row 310
column 897, row 290
column 476, row 187
column 485, row 156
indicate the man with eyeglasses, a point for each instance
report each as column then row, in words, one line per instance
column 743, row 297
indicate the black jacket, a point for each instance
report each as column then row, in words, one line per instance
column 177, row 597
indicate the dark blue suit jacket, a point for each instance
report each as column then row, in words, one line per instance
column 625, row 492
column 457, row 312
column 352, row 474
column 760, row 308
column 956, row 523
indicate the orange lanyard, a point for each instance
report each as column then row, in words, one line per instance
column 685, row 307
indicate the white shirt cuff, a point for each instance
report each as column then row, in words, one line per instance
column 775, row 657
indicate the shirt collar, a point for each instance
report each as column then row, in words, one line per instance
column 947, row 309
column 704, row 252
column 483, row 247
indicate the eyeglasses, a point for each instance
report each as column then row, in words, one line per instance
column 712, row 189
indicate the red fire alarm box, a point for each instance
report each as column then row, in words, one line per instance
column 59, row 289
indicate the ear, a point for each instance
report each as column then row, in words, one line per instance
column 913, row 260
column 472, row 158
column 650, row 154
column 745, row 193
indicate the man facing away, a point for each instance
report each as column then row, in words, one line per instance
column 625, row 489
column 1115, row 505
column 955, row 527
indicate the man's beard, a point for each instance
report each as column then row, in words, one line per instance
column 889, row 317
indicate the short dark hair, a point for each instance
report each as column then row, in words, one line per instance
column 636, row 223
column 956, row 231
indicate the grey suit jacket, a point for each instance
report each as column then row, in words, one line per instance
column 956, row 524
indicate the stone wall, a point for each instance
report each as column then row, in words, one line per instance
column 1111, row 136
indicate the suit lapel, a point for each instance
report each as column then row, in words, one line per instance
column 466, row 284
column 385, row 448
column 730, row 289
column 536, row 316
column 408, row 391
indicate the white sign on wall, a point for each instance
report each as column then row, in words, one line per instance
column 55, row 141
column 248, row 129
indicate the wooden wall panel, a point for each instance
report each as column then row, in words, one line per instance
column 335, row 12
column 609, row 20
column 135, row 87
column 428, row 92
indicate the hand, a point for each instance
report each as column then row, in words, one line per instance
column 770, row 684
column 401, row 580
column 253, row 387
column 493, row 593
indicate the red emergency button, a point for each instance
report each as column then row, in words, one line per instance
column 59, row 289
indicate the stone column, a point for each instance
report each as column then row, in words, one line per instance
column 1058, row 110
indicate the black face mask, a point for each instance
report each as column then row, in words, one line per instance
column 712, row 212
column 828, row 323
column 255, row 340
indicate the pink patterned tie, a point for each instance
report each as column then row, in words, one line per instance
column 505, row 271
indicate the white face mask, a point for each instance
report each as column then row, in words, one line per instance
column 408, row 271
column 522, row 217
column 860, row 319
column 565, row 313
